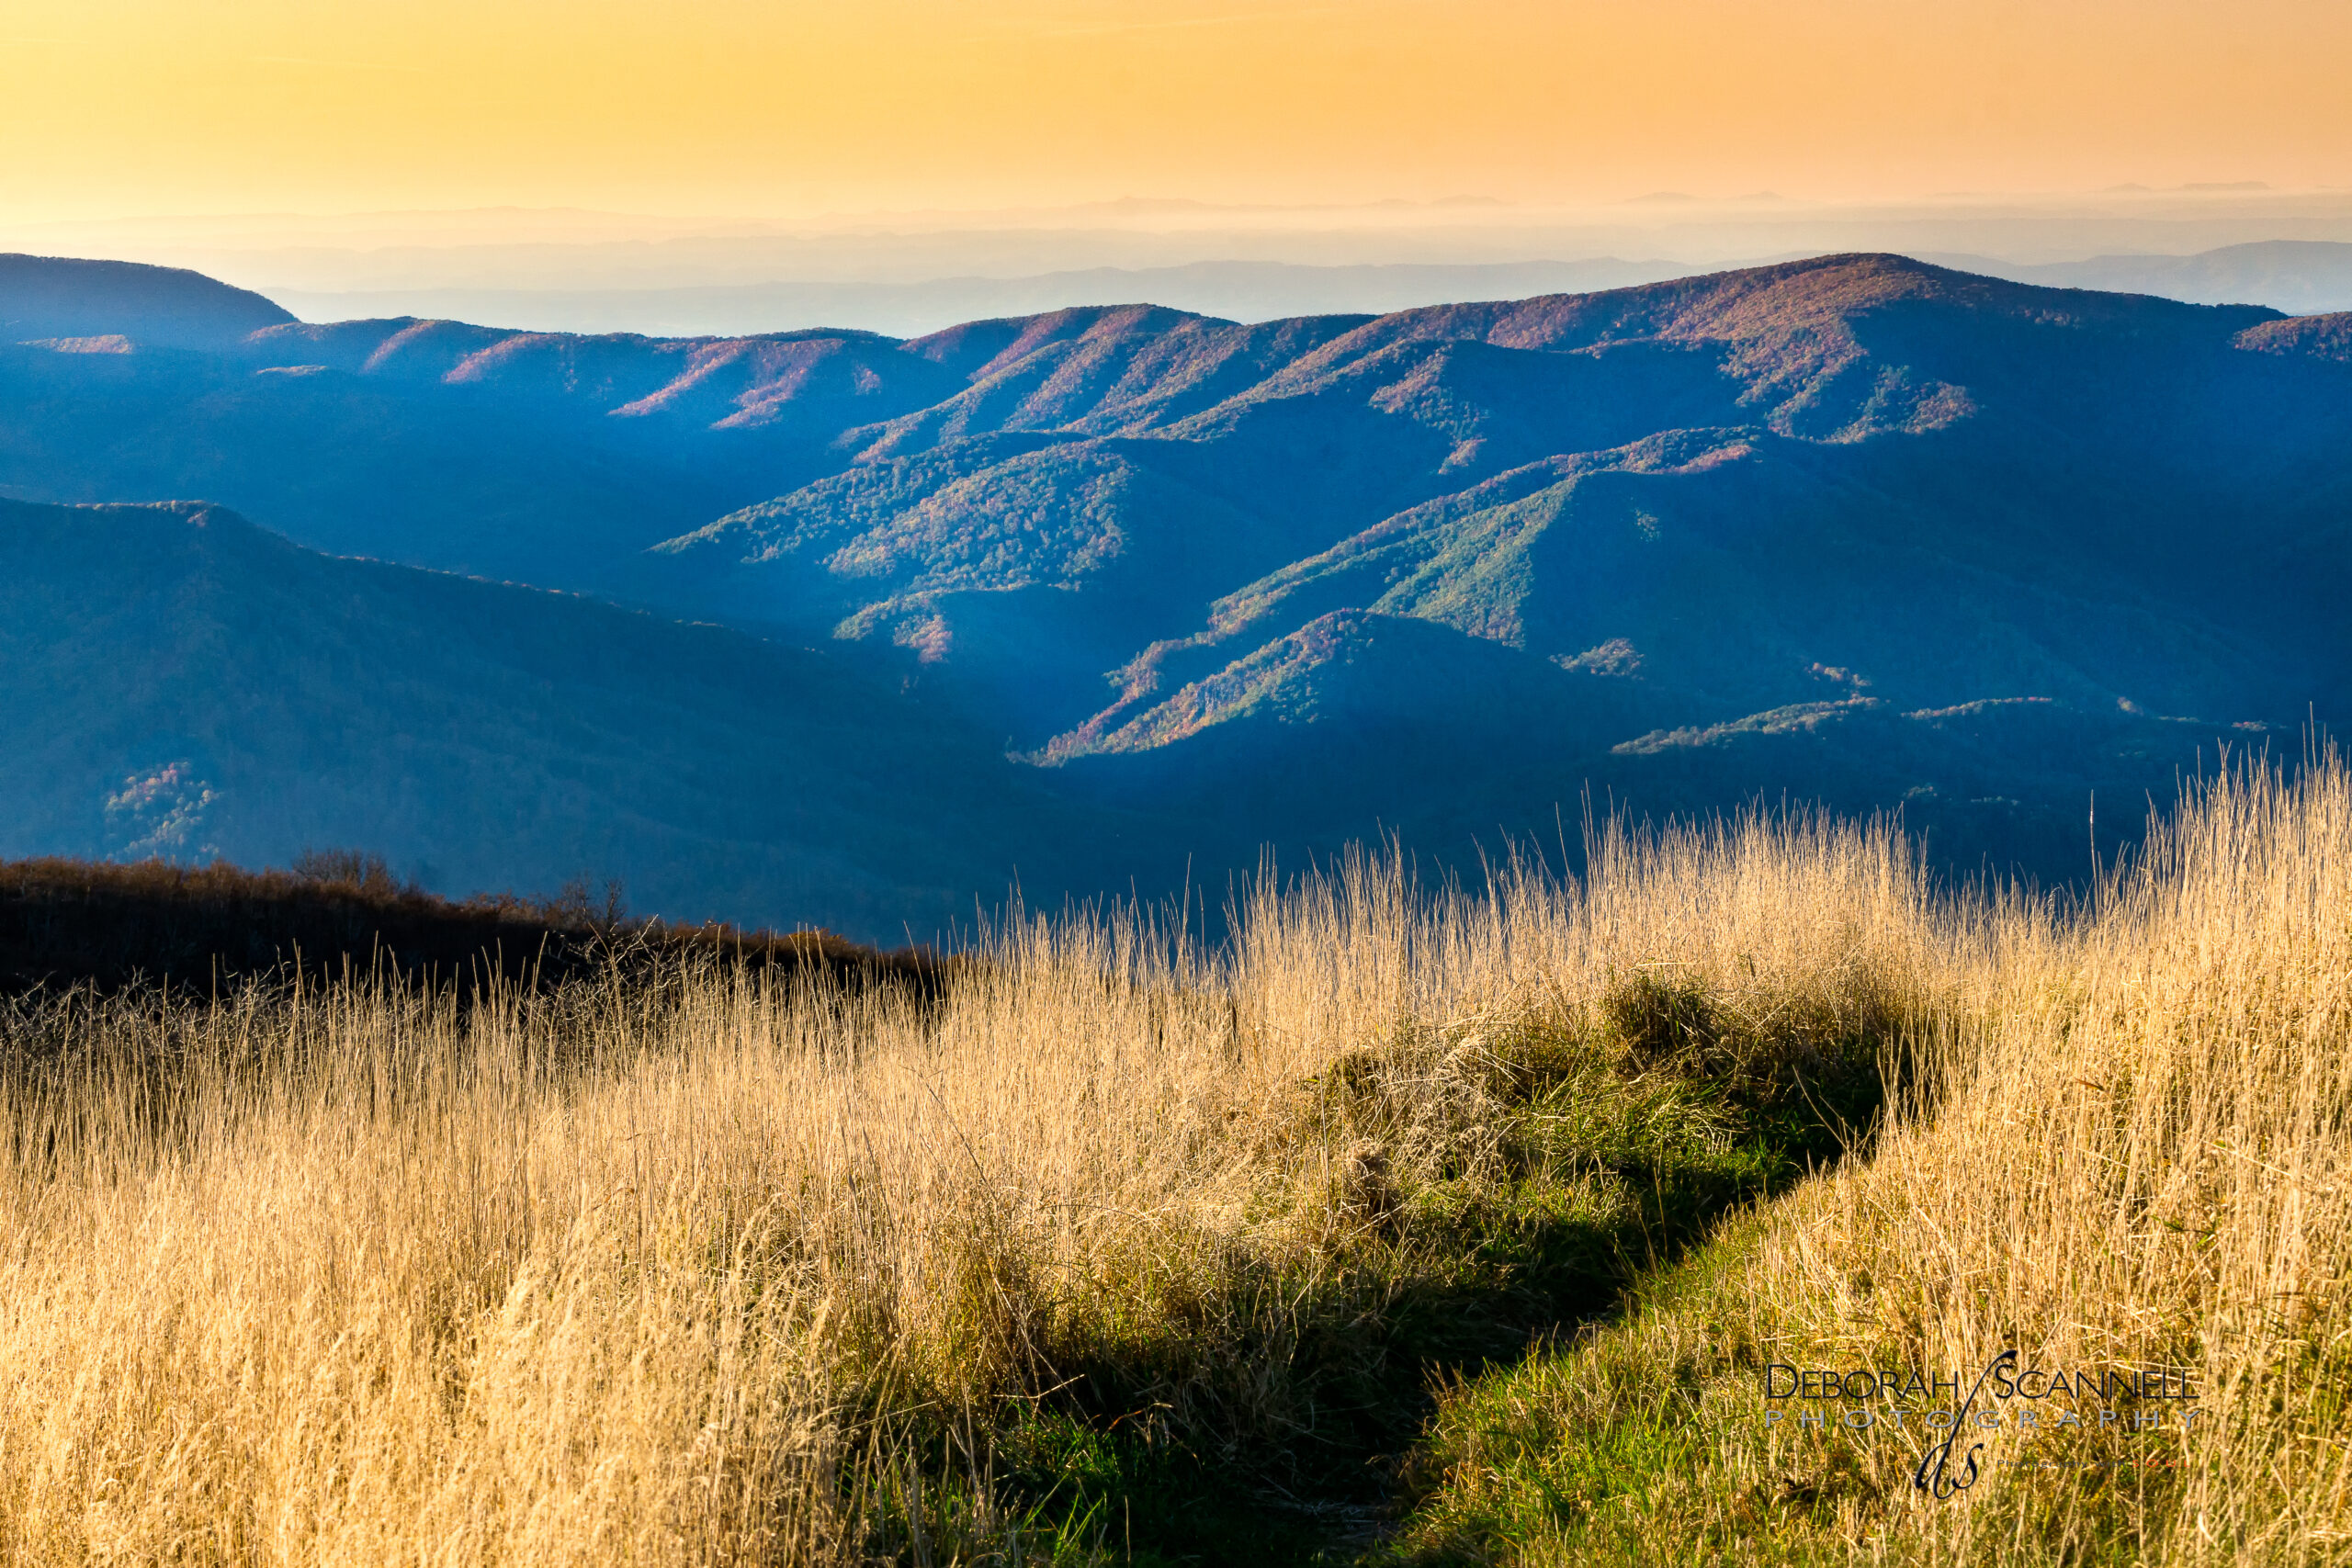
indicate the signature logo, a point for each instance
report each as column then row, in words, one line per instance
column 1934, row 1476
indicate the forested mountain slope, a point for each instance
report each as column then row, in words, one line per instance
column 1858, row 528
column 52, row 298
column 182, row 683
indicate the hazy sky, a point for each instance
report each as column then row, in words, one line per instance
column 774, row 108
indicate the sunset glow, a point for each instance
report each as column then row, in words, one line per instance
column 728, row 106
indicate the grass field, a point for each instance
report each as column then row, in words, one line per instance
column 1403, row 1227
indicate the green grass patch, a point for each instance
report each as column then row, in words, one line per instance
column 1475, row 1196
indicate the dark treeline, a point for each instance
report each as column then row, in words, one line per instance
column 191, row 929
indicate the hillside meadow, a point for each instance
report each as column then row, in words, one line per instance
column 1403, row 1226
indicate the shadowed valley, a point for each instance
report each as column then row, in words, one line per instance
column 1860, row 529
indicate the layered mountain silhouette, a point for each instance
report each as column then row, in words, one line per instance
column 2304, row 277
column 2301, row 276
column 1857, row 529
column 181, row 684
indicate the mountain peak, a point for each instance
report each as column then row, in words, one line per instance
column 165, row 307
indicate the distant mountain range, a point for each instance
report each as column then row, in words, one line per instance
column 2300, row 276
column 1082, row 594
column 1240, row 290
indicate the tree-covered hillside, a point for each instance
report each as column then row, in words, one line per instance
column 1857, row 529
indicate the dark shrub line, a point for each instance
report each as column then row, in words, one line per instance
column 192, row 930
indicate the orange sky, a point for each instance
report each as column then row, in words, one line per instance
column 773, row 108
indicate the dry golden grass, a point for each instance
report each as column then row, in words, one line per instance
column 2139, row 1154
column 2130, row 1146
column 710, row 1273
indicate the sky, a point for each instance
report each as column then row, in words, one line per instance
column 772, row 110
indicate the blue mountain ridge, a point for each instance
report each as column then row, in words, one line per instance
column 1857, row 529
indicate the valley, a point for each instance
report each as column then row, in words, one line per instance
column 1860, row 530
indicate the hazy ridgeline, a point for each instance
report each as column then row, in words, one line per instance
column 733, row 1273
column 1079, row 600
